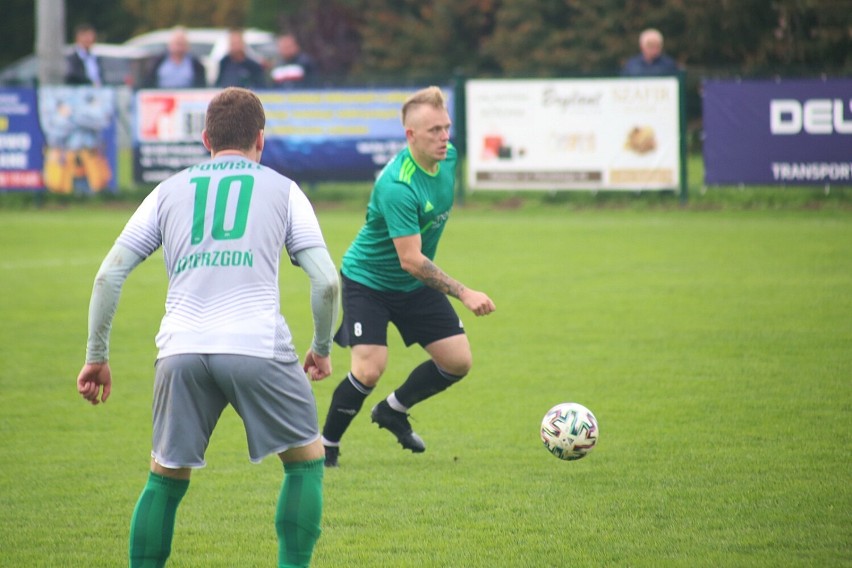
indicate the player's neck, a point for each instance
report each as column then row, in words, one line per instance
column 241, row 153
column 426, row 163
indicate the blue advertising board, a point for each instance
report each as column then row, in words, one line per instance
column 785, row 132
column 21, row 141
column 62, row 139
column 310, row 135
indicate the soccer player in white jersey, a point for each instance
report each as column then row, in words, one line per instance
column 222, row 225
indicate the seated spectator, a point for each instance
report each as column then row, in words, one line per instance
column 651, row 61
column 237, row 69
column 82, row 67
column 177, row 68
column 293, row 66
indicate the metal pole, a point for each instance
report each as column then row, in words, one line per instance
column 684, row 145
column 50, row 40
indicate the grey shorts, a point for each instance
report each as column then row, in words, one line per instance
column 273, row 398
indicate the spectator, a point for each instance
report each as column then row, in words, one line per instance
column 237, row 69
column 651, row 61
column 82, row 67
column 293, row 66
column 177, row 68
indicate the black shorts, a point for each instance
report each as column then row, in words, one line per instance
column 422, row 316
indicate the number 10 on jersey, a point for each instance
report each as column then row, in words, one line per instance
column 243, row 184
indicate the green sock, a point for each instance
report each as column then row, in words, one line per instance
column 297, row 518
column 153, row 522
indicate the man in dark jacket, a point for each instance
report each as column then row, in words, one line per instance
column 82, row 67
column 237, row 69
column 651, row 61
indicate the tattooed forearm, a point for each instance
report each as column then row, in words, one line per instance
column 436, row 278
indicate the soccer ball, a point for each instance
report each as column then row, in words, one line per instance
column 569, row 431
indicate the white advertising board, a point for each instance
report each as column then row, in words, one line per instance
column 558, row 134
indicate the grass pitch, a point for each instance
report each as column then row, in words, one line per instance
column 713, row 347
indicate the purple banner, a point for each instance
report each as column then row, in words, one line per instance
column 785, row 132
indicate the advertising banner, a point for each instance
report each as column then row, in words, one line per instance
column 785, row 132
column 167, row 137
column 557, row 134
column 21, row 142
column 311, row 135
column 62, row 139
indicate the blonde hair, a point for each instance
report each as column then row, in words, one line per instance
column 432, row 96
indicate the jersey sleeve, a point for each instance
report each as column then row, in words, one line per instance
column 142, row 233
column 114, row 270
column 303, row 229
column 398, row 205
column 325, row 292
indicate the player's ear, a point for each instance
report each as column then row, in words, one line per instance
column 261, row 140
column 205, row 140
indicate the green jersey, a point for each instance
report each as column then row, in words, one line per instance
column 406, row 200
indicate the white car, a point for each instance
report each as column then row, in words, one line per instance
column 121, row 65
column 210, row 45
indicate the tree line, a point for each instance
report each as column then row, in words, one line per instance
column 407, row 38
column 407, row 41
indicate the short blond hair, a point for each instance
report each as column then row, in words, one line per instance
column 432, row 96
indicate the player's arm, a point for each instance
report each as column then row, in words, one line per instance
column 114, row 270
column 413, row 261
column 325, row 291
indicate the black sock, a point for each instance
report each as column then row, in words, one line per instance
column 424, row 381
column 346, row 401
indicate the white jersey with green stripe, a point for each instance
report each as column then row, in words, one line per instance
column 406, row 200
column 222, row 225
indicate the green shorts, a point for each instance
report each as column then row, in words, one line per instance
column 273, row 398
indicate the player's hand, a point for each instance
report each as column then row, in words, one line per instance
column 92, row 378
column 316, row 366
column 477, row 302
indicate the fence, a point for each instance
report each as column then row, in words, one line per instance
column 515, row 134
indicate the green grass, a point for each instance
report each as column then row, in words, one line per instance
column 713, row 345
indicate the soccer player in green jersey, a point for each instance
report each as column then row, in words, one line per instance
column 389, row 276
column 222, row 225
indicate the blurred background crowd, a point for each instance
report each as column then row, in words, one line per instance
column 283, row 43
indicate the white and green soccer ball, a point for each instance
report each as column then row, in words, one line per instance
column 569, row 431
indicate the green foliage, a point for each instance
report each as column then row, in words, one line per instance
column 153, row 14
column 555, row 38
column 18, row 24
column 568, row 37
column 366, row 40
column 415, row 39
column 813, row 31
column 326, row 29
column 17, row 28
column 712, row 345
column 108, row 17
